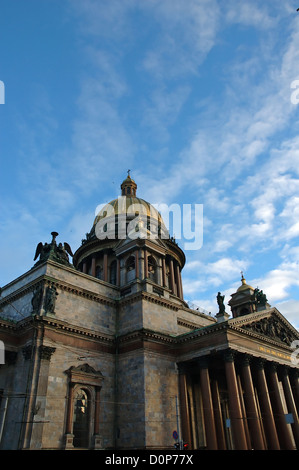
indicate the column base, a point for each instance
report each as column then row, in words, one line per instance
column 97, row 442
column 69, row 441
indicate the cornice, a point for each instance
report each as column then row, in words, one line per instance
column 142, row 295
column 17, row 294
column 86, row 293
column 260, row 338
column 202, row 331
column 89, row 247
column 64, row 327
column 57, row 325
column 146, row 334
column 46, row 279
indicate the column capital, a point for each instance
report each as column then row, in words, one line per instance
column 260, row 363
column 294, row 373
column 182, row 369
column 272, row 366
column 229, row 355
column 284, row 371
column 203, row 362
column 246, row 359
column 46, row 352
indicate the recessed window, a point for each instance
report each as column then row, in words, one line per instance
column 130, row 269
column 99, row 272
column 81, row 419
column 113, row 269
column 152, row 269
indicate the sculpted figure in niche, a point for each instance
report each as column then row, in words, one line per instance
column 36, row 299
column 50, row 299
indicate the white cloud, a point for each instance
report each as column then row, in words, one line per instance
column 290, row 309
column 185, row 37
column 249, row 14
column 214, row 273
column 278, row 282
column 153, row 68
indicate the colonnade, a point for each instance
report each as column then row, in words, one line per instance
column 239, row 402
column 168, row 269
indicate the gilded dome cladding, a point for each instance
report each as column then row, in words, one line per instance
column 128, row 206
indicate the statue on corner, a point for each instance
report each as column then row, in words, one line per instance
column 54, row 252
column 220, row 301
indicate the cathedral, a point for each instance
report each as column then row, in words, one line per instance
column 101, row 351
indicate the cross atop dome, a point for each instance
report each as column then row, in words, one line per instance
column 128, row 186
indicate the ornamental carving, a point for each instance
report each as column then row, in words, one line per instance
column 53, row 251
column 85, row 368
column 85, row 374
column 46, row 352
column 50, row 299
column 272, row 328
column 36, row 299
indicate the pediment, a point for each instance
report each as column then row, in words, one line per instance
column 85, row 374
column 270, row 324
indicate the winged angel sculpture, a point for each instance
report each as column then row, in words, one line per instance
column 59, row 253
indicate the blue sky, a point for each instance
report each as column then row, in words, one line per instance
column 194, row 96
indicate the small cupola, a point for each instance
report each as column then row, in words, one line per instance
column 128, row 187
column 247, row 300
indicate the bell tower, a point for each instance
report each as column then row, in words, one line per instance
column 247, row 300
column 128, row 186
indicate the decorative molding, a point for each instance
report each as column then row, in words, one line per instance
column 145, row 334
column 48, row 281
column 272, row 328
column 85, row 374
column 87, row 294
column 61, row 326
column 22, row 291
column 142, row 295
column 46, row 352
column 186, row 324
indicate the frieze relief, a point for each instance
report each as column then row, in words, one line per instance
column 272, row 328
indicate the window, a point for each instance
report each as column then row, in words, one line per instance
column 113, row 269
column 152, row 269
column 99, row 272
column 81, row 418
column 130, row 271
column 83, row 407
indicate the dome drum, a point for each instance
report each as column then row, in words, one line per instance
column 130, row 228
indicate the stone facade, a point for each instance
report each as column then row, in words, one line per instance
column 105, row 353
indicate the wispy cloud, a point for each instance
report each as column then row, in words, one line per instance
column 196, row 101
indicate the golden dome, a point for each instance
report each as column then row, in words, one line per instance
column 129, row 206
column 244, row 286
